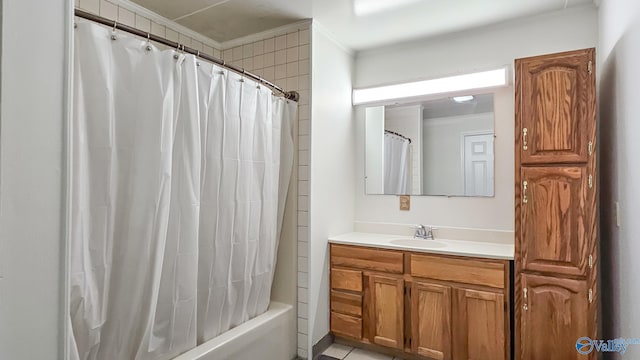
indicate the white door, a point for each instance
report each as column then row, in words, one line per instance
column 478, row 164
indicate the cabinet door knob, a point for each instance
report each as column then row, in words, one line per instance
column 525, row 132
column 525, row 185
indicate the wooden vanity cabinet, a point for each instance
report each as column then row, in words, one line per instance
column 423, row 305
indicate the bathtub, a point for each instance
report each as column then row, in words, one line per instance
column 270, row 336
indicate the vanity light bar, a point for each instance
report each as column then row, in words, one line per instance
column 479, row 80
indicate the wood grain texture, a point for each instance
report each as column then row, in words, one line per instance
column 345, row 325
column 555, row 318
column 387, row 310
column 431, row 320
column 587, row 129
column 554, row 107
column 467, row 271
column 479, row 320
column 346, row 303
column 359, row 257
column 343, row 279
column 553, row 220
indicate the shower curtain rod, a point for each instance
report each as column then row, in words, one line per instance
column 399, row 135
column 290, row 95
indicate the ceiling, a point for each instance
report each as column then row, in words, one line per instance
column 358, row 24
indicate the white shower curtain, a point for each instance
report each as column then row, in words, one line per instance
column 179, row 174
column 396, row 165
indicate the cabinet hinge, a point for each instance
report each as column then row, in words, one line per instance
column 590, row 181
column 590, row 296
column 590, row 148
column 590, row 261
column 590, row 67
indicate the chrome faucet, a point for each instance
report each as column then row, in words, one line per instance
column 424, row 232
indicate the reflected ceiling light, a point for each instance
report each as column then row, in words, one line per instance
column 480, row 80
column 368, row 7
column 461, row 99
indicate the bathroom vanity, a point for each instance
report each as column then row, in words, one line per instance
column 422, row 299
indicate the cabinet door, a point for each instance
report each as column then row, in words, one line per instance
column 555, row 315
column 386, row 310
column 555, row 107
column 479, row 325
column 553, row 219
column 431, row 320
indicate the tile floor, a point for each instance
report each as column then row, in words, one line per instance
column 344, row 352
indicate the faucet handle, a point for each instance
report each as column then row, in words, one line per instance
column 418, row 226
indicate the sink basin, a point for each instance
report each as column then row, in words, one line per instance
column 427, row 244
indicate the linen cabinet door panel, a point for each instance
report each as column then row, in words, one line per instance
column 555, row 314
column 553, row 220
column 480, row 325
column 556, row 107
column 386, row 310
column 431, row 320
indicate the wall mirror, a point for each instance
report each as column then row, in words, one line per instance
column 437, row 147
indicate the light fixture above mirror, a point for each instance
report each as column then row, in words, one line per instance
column 447, row 85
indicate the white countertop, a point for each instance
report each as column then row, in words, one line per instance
column 478, row 249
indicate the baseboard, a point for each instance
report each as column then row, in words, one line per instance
column 321, row 346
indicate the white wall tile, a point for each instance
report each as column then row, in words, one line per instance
column 292, row 83
column 303, row 311
column 303, row 231
column 292, row 54
column 303, row 266
column 258, row 62
column 304, row 97
column 108, row 10
column 304, row 52
column 269, row 73
column 184, row 40
column 196, row 45
column 303, row 280
column 303, row 325
column 90, row 6
column 142, row 23
column 269, row 59
column 281, row 57
column 227, row 55
column 269, row 45
column 304, row 84
column 303, row 67
column 237, row 53
column 303, row 248
column 303, row 171
column 248, row 63
column 172, row 35
column 292, row 70
column 126, row 17
column 303, row 127
column 217, row 54
column 303, row 141
column 303, row 37
column 303, row 112
column 303, row 159
column 303, row 203
column 292, row 39
column 281, row 72
column 247, row 51
column 302, row 353
column 303, row 218
column 302, row 338
column 258, row 48
column 281, row 42
column 208, row 50
column 158, row 29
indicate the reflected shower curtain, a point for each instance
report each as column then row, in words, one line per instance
column 179, row 174
column 396, row 165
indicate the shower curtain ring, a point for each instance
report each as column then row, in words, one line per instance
column 149, row 42
column 243, row 72
column 113, row 31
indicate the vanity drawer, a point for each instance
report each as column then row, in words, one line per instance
column 346, row 303
column 468, row 271
column 343, row 279
column 388, row 261
column 345, row 325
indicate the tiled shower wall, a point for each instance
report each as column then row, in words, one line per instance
column 123, row 15
column 282, row 57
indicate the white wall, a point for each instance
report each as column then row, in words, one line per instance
column 375, row 149
column 485, row 48
column 619, row 110
column 332, row 176
column 31, row 183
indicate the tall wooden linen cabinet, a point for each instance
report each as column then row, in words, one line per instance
column 556, row 247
